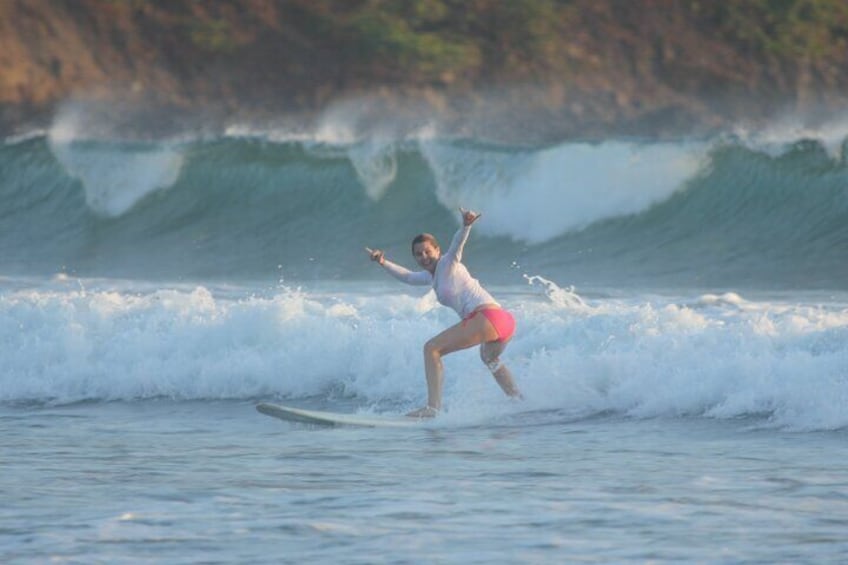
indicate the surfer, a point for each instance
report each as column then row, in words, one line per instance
column 484, row 322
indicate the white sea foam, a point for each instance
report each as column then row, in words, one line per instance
column 535, row 196
column 642, row 358
column 24, row 136
column 780, row 134
column 116, row 179
column 115, row 175
column 375, row 163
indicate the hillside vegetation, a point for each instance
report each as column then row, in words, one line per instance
column 562, row 67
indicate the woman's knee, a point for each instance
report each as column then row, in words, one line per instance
column 432, row 349
column 491, row 359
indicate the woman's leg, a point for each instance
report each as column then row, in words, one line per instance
column 490, row 353
column 467, row 333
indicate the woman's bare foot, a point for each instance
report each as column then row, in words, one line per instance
column 425, row 412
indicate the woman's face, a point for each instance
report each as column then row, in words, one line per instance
column 426, row 255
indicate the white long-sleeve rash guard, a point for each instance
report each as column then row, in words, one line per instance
column 453, row 284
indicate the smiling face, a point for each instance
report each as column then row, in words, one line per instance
column 426, row 252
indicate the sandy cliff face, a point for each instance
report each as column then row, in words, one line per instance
column 548, row 69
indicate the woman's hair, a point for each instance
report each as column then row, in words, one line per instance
column 421, row 238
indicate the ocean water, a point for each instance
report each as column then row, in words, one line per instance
column 682, row 346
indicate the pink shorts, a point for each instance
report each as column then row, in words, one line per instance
column 501, row 320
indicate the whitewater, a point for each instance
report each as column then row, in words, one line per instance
column 682, row 345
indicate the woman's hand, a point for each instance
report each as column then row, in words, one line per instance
column 376, row 255
column 469, row 216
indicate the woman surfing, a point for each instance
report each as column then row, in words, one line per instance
column 484, row 322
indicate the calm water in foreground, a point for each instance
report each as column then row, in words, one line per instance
column 216, row 482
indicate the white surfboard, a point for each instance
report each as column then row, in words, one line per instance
column 318, row 417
